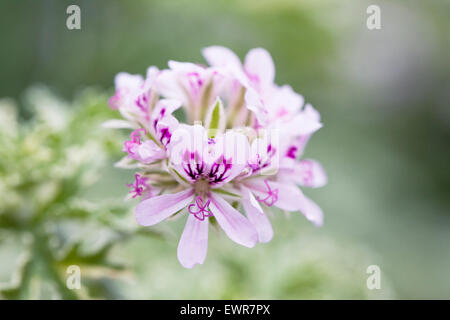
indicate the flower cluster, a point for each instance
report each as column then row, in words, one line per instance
column 238, row 149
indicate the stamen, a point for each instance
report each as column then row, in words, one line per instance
column 139, row 186
column 135, row 140
column 114, row 100
column 272, row 195
column 203, row 209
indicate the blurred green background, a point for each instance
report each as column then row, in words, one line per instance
column 384, row 96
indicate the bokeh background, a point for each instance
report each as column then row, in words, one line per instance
column 384, row 96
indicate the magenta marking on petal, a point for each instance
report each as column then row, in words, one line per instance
column 193, row 165
column 262, row 163
column 218, row 170
column 165, row 136
column 254, row 78
column 195, row 82
column 272, row 195
column 291, row 153
column 139, row 186
column 157, row 119
column 257, row 165
column 308, row 176
column 257, row 125
column 203, row 209
column 282, row 112
column 271, row 150
column 142, row 101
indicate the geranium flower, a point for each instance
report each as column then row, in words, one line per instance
column 202, row 165
column 135, row 96
column 148, row 143
column 274, row 171
column 244, row 154
column 194, row 85
column 256, row 74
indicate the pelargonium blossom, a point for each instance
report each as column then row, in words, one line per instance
column 230, row 162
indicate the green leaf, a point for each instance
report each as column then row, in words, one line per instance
column 88, row 237
column 14, row 255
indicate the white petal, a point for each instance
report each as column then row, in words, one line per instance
column 124, row 80
column 306, row 172
column 233, row 223
column 156, row 209
column 257, row 216
column 193, row 244
column 258, row 62
column 218, row 56
column 311, row 211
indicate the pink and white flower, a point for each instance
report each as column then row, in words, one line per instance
column 158, row 132
column 194, row 85
column 271, row 181
column 256, row 74
column 135, row 96
column 203, row 165
column 246, row 155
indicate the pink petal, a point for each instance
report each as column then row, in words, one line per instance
column 152, row 73
column 167, row 85
column 311, row 112
column 218, row 56
column 124, row 80
column 184, row 66
column 148, row 152
column 256, row 216
column 288, row 194
column 156, row 209
column 186, row 140
column 169, row 106
column 303, row 124
column 255, row 104
column 235, row 225
column 258, row 63
column 233, row 146
column 306, row 172
column 193, row 244
column 311, row 211
column 285, row 101
column 290, row 198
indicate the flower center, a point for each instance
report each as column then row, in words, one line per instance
column 201, row 187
